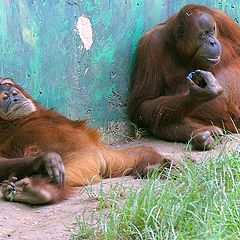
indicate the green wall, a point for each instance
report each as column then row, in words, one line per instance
column 42, row 50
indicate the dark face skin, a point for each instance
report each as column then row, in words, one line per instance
column 209, row 48
column 13, row 104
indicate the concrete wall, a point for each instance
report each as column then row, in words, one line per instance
column 77, row 55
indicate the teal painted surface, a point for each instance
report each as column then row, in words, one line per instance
column 41, row 49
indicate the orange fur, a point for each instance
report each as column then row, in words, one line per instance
column 159, row 98
column 86, row 158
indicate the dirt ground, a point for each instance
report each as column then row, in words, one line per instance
column 18, row 221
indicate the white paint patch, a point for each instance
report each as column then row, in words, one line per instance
column 84, row 30
column 85, row 72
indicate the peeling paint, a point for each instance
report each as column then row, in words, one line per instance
column 28, row 36
column 84, row 29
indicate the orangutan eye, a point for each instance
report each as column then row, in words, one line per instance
column 203, row 35
column 213, row 29
column 14, row 93
column 5, row 97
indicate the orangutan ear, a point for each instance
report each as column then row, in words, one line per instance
column 4, row 81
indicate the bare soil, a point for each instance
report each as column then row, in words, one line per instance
column 19, row 221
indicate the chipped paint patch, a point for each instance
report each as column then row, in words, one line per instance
column 84, row 30
column 28, row 36
column 86, row 71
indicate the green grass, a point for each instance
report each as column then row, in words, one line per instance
column 200, row 201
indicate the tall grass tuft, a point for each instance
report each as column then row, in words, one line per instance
column 199, row 201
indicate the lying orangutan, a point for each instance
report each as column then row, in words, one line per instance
column 45, row 153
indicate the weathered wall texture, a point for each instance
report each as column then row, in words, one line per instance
column 76, row 55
